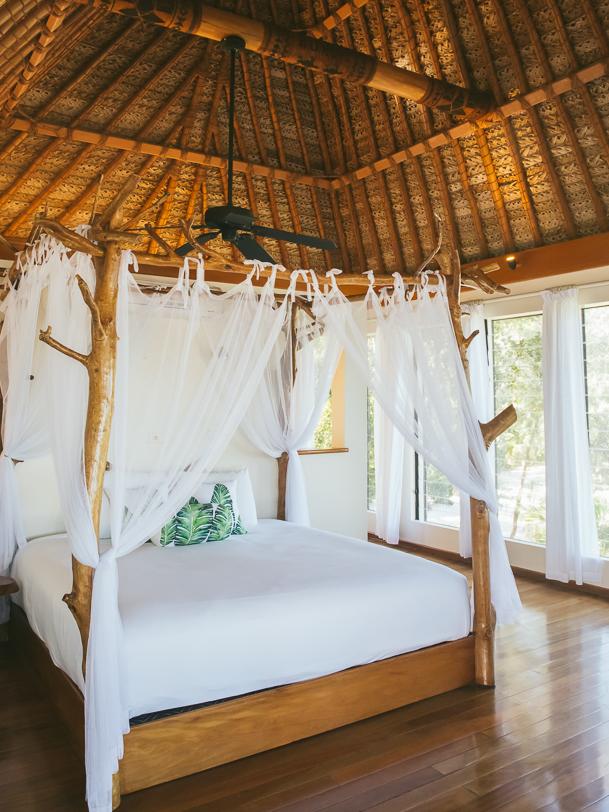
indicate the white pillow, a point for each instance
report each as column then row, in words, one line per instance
column 243, row 498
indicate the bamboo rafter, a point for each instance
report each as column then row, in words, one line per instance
column 118, row 142
column 53, row 23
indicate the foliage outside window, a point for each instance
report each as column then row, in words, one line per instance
column 596, row 360
column 438, row 498
column 520, row 453
column 329, row 433
column 324, row 436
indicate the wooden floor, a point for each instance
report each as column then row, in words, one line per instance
column 539, row 741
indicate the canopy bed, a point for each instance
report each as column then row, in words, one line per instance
column 297, row 631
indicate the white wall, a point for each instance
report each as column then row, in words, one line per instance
column 336, row 483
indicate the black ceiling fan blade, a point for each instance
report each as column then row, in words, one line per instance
column 185, row 249
column 250, row 248
column 299, row 239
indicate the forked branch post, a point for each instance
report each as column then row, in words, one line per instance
column 100, row 363
column 484, row 614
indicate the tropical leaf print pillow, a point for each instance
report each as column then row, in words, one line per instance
column 197, row 522
column 221, row 497
column 192, row 524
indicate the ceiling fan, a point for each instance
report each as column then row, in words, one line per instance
column 235, row 224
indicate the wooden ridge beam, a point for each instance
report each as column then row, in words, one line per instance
column 270, row 40
column 109, row 141
column 514, row 107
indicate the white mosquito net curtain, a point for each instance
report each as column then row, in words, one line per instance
column 191, row 368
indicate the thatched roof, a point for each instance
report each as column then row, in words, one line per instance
column 86, row 92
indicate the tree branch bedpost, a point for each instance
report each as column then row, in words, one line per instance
column 484, row 613
column 101, row 368
column 283, row 460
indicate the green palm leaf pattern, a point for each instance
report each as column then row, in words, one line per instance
column 197, row 523
column 223, row 523
column 239, row 529
column 194, row 523
column 221, row 497
column 168, row 533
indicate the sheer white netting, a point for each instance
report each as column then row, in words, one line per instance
column 389, row 446
column 482, row 397
column 22, row 380
column 572, row 547
column 429, row 400
column 290, row 399
column 188, row 365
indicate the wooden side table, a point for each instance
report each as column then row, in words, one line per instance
column 8, row 586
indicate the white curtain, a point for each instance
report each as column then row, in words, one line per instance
column 389, row 448
column 22, row 382
column 482, row 397
column 188, row 366
column 430, row 402
column 290, row 399
column 572, row 548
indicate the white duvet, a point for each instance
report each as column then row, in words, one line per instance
column 282, row 604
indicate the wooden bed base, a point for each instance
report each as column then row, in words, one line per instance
column 175, row 746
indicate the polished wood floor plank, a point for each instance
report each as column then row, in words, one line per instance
column 539, row 741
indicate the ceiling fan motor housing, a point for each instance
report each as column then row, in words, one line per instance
column 231, row 216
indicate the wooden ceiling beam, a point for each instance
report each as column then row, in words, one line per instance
column 508, row 109
column 297, row 48
column 556, row 259
column 109, row 141
column 335, row 19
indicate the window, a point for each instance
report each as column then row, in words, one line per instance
column 596, row 363
column 324, row 434
column 330, row 434
column 437, row 499
column 520, row 454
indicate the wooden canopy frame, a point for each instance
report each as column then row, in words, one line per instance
column 154, row 751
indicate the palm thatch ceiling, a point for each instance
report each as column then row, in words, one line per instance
column 86, row 91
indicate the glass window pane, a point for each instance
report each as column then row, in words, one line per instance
column 323, row 436
column 596, row 356
column 520, row 452
column 440, row 499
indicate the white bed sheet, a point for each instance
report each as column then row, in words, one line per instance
column 282, row 604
